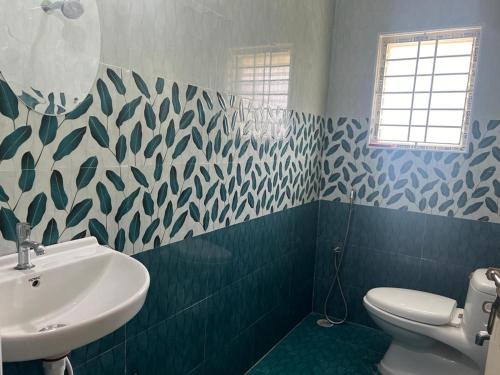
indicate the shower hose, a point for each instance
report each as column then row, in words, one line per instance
column 338, row 256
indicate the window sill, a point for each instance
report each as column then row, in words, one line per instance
column 417, row 147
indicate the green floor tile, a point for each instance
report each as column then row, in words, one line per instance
column 310, row 349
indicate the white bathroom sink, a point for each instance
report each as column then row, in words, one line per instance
column 77, row 293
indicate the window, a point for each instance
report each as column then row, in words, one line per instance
column 262, row 75
column 423, row 89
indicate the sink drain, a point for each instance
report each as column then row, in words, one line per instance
column 52, row 327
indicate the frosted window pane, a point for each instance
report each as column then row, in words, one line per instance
column 393, row 133
column 259, row 86
column 448, row 100
column 259, row 74
column 279, row 87
column 419, row 118
column 396, row 101
column 400, row 67
column 446, row 118
column 421, row 101
column 282, row 72
column 246, row 74
column 449, row 47
column 395, row 117
column 281, row 58
column 398, row 84
column 267, row 72
column 423, row 83
column 425, row 66
column 260, row 59
column 443, row 135
column 402, row 50
column 267, row 87
column 451, row 83
column 417, row 134
column 427, row 49
column 452, row 65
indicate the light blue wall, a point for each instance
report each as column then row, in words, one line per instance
column 192, row 41
column 392, row 243
column 439, row 183
column 354, row 47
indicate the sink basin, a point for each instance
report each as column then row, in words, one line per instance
column 78, row 292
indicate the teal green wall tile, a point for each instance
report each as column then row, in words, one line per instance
column 216, row 301
column 85, row 354
column 111, row 362
column 271, row 328
column 174, row 346
column 473, row 244
column 235, row 357
column 396, row 231
column 21, row 368
column 446, row 279
column 425, row 252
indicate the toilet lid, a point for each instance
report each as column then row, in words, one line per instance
column 413, row 305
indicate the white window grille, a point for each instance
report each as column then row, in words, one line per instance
column 423, row 89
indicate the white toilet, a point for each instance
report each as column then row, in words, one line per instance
column 430, row 334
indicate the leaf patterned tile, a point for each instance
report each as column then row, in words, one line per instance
column 144, row 162
column 438, row 183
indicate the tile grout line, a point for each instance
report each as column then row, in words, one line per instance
column 205, row 300
column 125, row 348
column 245, row 277
column 275, row 345
column 127, row 338
column 315, row 254
column 100, row 355
column 248, row 328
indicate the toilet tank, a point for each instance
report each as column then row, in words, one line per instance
column 480, row 290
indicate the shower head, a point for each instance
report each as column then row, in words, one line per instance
column 71, row 9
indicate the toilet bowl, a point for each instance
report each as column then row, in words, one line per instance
column 431, row 335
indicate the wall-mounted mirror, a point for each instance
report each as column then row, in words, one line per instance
column 50, row 51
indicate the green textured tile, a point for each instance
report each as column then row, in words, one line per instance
column 310, row 349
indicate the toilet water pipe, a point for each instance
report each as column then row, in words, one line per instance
column 59, row 366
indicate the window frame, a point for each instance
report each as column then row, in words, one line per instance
column 421, row 36
column 235, row 81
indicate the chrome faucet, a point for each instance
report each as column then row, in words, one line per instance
column 24, row 247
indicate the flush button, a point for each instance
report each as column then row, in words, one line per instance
column 487, row 307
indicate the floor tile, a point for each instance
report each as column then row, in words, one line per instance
column 310, row 349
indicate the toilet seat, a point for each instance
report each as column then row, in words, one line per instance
column 414, row 305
